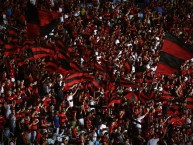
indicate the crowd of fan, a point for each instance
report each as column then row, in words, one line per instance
column 36, row 108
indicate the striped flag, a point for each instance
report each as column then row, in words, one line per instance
column 40, row 22
column 173, row 54
column 189, row 102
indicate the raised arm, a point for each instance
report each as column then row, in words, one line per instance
column 75, row 92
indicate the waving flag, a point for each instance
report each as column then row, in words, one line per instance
column 173, row 54
column 177, row 120
column 40, row 22
column 77, row 78
column 118, row 101
column 131, row 97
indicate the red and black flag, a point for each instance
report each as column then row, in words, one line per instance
column 62, row 60
column 132, row 97
column 38, row 52
column 13, row 35
column 173, row 54
column 144, row 97
column 11, row 49
column 75, row 66
column 43, row 50
column 28, row 44
column 48, row 21
column 96, row 83
column 64, row 64
column 40, row 22
column 51, row 65
column 166, row 96
column 77, row 78
column 177, row 120
column 116, row 101
column 97, row 66
column 173, row 109
column 33, row 23
column 60, row 45
column 189, row 102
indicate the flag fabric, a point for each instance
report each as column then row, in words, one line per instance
column 33, row 27
column 46, row 17
column 166, row 96
column 12, row 36
column 189, row 102
column 37, row 55
column 96, row 83
column 177, row 120
column 63, row 70
column 173, row 109
column 173, row 54
column 98, row 66
column 118, row 101
column 43, row 49
column 127, row 66
column 53, row 66
column 75, row 66
column 76, row 78
column 131, row 97
column 64, row 64
column 11, row 45
column 74, row 75
column 11, row 49
column 28, row 44
column 144, row 97
column 60, row 45
column 40, row 22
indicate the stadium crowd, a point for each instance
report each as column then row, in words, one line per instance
column 116, row 42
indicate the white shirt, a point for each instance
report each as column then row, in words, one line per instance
column 103, row 128
column 138, row 125
column 33, row 2
column 70, row 100
column 153, row 141
column 117, row 41
column 92, row 103
column 133, row 68
column 8, row 111
column 61, row 18
column 94, row 136
column 76, row 14
column 5, row 19
column 2, row 89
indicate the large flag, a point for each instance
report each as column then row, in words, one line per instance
column 173, row 54
column 40, row 22
column 77, row 78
